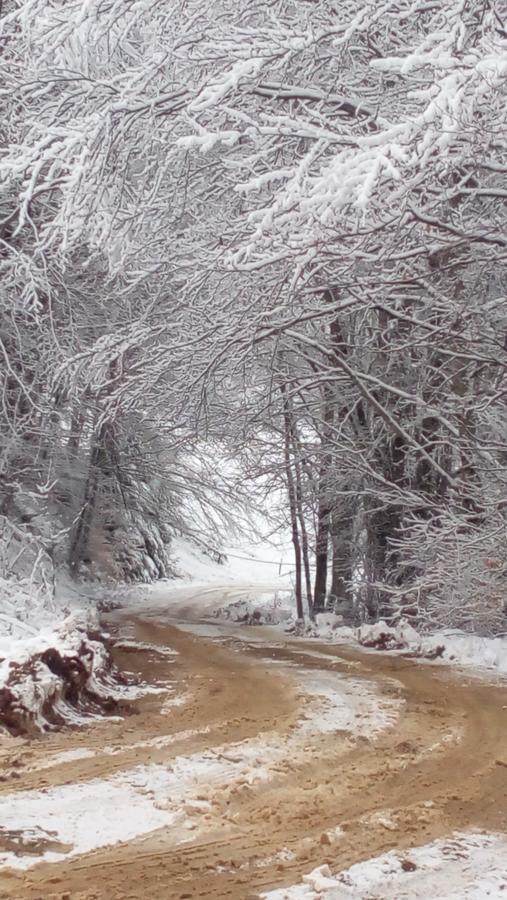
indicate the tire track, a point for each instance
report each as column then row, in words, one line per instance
column 437, row 770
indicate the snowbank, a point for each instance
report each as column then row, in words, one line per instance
column 470, row 651
column 463, row 867
column 64, row 674
column 466, row 650
column 263, row 609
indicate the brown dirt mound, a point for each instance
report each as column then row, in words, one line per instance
column 39, row 692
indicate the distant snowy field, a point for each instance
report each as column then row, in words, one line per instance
column 261, row 562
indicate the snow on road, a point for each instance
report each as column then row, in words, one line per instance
column 341, row 703
column 462, row 867
column 184, row 795
column 143, row 798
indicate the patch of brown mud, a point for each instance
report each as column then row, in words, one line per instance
column 228, row 696
column 435, row 772
column 31, row 843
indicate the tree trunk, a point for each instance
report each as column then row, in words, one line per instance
column 305, row 547
column 291, row 490
column 341, row 539
column 80, row 538
column 323, row 503
column 321, row 554
column 97, row 465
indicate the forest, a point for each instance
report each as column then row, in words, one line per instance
column 267, row 232
column 253, row 449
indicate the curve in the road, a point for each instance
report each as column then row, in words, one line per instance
column 330, row 797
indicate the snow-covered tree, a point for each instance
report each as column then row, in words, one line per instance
column 191, row 192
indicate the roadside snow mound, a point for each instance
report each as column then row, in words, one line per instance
column 62, row 675
column 404, row 637
column 470, row 651
column 381, row 637
column 266, row 609
column 326, row 626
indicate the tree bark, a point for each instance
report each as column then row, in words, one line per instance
column 98, row 465
column 323, row 503
column 341, row 567
column 321, row 555
column 80, row 537
column 291, row 491
column 305, row 546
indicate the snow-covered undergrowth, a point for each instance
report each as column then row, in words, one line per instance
column 470, row 651
column 261, row 609
column 463, row 867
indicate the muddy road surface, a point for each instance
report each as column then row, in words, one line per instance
column 252, row 760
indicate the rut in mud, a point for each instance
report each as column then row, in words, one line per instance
column 263, row 817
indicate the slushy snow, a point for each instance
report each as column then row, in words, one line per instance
column 462, row 867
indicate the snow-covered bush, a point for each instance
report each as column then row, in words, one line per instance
column 459, row 575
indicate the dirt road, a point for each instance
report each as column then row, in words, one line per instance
column 286, row 792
